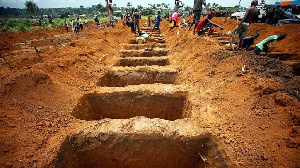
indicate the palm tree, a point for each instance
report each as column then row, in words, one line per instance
column 153, row 6
column 31, row 6
column 207, row 6
column 214, row 5
column 129, row 5
column 140, row 7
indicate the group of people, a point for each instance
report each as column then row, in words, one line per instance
column 76, row 24
column 242, row 28
column 200, row 27
column 250, row 17
column 40, row 19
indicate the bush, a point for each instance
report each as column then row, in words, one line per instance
column 4, row 29
column 22, row 27
column 12, row 23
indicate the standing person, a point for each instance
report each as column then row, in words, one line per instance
column 149, row 20
column 197, row 11
column 86, row 22
column 157, row 22
column 50, row 20
column 127, row 19
column 121, row 16
column 80, row 23
column 136, row 16
column 131, row 21
column 110, row 13
column 97, row 21
column 76, row 25
column 178, row 5
column 251, row 16
column 40, row 21
column 66, row 25
column 264, row 45
column 72, row 24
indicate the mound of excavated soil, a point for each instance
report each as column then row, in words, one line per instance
column 22, row 82
column 219, row 107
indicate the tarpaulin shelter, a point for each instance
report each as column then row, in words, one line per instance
column 287, row 2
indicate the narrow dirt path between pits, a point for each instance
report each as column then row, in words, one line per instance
column 99, row 99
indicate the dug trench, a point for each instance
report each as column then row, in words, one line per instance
column 143, row 98
column 123, row 76
column 129, row 105
column 207, row 112
column 99, row 149
column 144, row 58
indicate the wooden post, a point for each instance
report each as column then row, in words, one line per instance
column 38, row 53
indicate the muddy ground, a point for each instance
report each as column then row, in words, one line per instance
column 78, row 106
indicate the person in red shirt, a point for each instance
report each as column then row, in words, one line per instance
column 33, row 24
column 175, row 19
column 205, row 25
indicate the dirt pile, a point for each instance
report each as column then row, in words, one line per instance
column 221, row 106
column 252, row 111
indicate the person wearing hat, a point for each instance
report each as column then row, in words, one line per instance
column 264, row 45
column 251, row 16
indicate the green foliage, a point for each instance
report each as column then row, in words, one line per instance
column 31, row 6
column 16, row 25
column 4, row 29
column 65, row 15
column 26, row 25
column 187, row 8
column 22, row 27
column 101, row 8
column 12, row 23
column 146, row 12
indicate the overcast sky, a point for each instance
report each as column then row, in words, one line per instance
column 120, row 3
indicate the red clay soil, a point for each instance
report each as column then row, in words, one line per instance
column 253, row 114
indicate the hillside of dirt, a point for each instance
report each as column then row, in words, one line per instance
column 206, row 111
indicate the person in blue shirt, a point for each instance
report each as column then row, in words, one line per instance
column 157, row 22
column 264, row 45
column 248, row 41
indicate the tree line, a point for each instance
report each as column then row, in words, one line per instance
column 33, row 10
